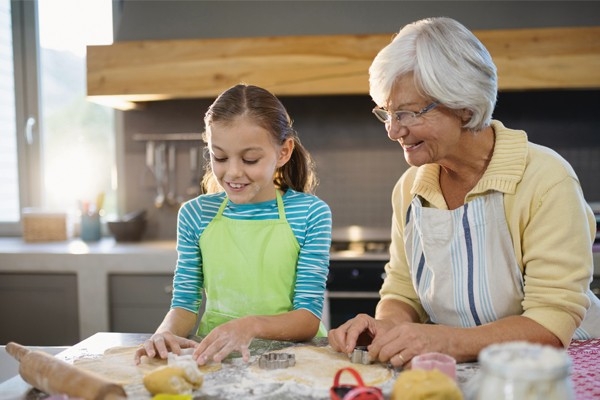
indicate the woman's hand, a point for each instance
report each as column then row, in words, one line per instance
column 161, row 343
column 231, row 336
column 401, row 343
column 358, row 331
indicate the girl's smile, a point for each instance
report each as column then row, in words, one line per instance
column 244, row 159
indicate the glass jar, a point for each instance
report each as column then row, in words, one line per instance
column 524, row 371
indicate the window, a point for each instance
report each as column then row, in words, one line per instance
column 9, row 185
column 66, row 151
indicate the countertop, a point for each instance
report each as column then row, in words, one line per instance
column 107, row 251
column 228, row 383
column 225, row 383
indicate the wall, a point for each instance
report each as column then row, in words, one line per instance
column 357, row 164
column 170, row 19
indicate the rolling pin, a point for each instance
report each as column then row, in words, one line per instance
column 54, row 376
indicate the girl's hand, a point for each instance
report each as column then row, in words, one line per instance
column 161, row 343
column 231, row 336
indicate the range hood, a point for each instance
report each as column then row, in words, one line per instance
column 125, row 73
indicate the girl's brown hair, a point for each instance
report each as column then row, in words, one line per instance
column 267, row 111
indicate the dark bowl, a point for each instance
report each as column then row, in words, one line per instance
column 127, row 231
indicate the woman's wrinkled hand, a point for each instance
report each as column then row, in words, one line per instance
column 401, row 343
column 223, row 340
column 358, row 331
column 161, row 344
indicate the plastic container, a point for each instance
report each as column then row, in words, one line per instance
column 524, row 371
column 429, row 361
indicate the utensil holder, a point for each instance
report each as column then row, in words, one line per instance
column 90, row 230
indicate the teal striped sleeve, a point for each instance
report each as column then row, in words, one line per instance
column 310, row 219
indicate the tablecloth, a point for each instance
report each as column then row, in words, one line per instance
column 585, row 355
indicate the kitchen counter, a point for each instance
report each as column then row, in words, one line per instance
column 93, row 263
column 231, row 381
column 584, row 356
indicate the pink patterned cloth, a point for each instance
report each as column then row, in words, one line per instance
column 585, row 375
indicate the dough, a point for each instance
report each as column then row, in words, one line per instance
column 173, row 380
column 317, row 366
column 117, row 365
column 418, row 384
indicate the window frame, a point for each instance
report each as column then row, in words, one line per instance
column 28, row 114
column 27, row 93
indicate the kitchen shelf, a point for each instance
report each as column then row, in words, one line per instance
column 127, row 72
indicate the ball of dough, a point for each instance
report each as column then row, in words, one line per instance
column 425, row 385
column 171, row 380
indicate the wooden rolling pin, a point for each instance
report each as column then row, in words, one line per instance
column 54, row 376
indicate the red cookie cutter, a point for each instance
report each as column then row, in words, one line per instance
column 353, row 392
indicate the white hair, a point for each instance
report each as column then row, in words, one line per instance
column 449, row 65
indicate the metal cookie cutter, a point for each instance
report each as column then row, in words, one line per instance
column 360, row 355
column 276, row 360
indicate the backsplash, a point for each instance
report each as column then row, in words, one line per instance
column 357, row 164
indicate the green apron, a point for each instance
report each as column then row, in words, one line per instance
column 249, row 268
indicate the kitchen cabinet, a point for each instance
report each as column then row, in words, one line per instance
column 39, row 308
column 138, row 302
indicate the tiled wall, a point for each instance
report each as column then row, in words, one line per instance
column 356, row 163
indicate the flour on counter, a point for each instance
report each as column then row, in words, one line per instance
column 309, row 379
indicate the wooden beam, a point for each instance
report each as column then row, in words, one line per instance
column 548, row 58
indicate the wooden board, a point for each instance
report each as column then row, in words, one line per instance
column 544, row 58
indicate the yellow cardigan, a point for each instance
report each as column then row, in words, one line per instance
column 551, row 225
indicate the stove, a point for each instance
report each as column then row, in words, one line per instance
column 356, row 272
column 356, row 240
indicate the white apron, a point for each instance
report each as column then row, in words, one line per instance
column 462, row 265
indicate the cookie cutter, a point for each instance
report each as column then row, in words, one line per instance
column 276, row 360
column 360, row 355
column 357, row 391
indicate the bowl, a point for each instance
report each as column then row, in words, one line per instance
column 127, row 231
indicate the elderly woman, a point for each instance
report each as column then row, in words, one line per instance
column 491, row 235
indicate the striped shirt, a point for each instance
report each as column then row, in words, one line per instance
column 310, row 220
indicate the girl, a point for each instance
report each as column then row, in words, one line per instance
column 257, row 243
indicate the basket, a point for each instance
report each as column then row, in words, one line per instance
column 39, row 226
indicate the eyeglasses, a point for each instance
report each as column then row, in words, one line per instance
column 406, row 118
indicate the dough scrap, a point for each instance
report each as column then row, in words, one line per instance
column 418, row 384
column 316, row 367
column 181, row 379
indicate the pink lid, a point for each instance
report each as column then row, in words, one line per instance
column 439, row 361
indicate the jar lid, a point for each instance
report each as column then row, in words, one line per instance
column 525, row 361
